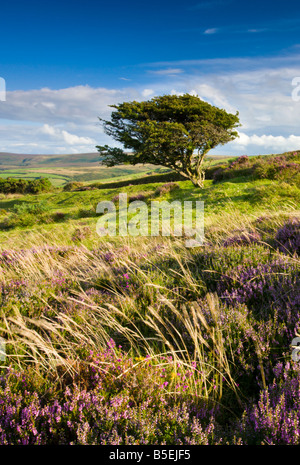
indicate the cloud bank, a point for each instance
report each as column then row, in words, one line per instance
column 66, row 120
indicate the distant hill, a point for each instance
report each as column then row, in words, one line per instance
column 13, row 160
column 74, row 160
column 82, row 167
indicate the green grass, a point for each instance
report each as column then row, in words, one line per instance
column 231, row 202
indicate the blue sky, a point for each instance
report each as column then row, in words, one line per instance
column 64, row 62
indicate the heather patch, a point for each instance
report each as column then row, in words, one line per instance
column 288, row 237
column 284, row 167
column 113, row 406
column 275, row 418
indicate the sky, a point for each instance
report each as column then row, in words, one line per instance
column 62, row 64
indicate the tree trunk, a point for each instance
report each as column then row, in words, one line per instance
column 198, row 181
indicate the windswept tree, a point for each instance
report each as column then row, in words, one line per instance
column 172, row 131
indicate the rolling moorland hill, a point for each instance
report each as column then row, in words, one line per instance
column 81, row 167
column 60, row 169
column 11, row 160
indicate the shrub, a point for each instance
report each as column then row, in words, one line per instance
column 86, row 212
column 224, row 173
column 165, row 188
column 102, row 410
column 39, row 185
column 288, row 237
column 139, row 196
column 275, row 418
column 115, row 198
column 240, row 161
column 81, row 233
column 59, row 216
column 22, row 186
column 165, row 177
column 31, row 208
column 27, row 214
column 72, row 186
column 281, row 167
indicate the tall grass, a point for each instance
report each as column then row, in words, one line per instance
column 176, row 326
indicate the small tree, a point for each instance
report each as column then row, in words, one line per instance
column 172, row 131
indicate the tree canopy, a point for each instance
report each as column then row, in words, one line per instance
column 170, row 130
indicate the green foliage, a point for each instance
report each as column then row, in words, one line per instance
column 26, row 214
column 87, row 212
column 21, row 186
column 167, row 131
column 73, row 185
column 32, row 208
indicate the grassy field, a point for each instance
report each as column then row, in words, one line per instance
column 141, row 340
column 61, row 176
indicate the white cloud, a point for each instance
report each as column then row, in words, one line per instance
column 72, row 139
column 63, row 135
column 57, row 120
column 147, row 92
column 213, row 95
column 213, row 30
column 46, row 129
column 78, row 104
column 25, row 138
column 64, row 120
column 291, row 142
column 255, row 31
column 259, row 145
column 167, row 71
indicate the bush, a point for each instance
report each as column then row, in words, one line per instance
column 59, row 216
column 288, row 237
column 27, row 214
column 86, row 212
column 165, row 188
column 245, row 237
column 81, row 234
column 39, row 185
column 223, row 174
column 31, row 208
column 275, row 418
column 72, row 186
column 139, row 196
column 240, row 161
column 102, row 410
column 22, row 186
column 276, row 168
